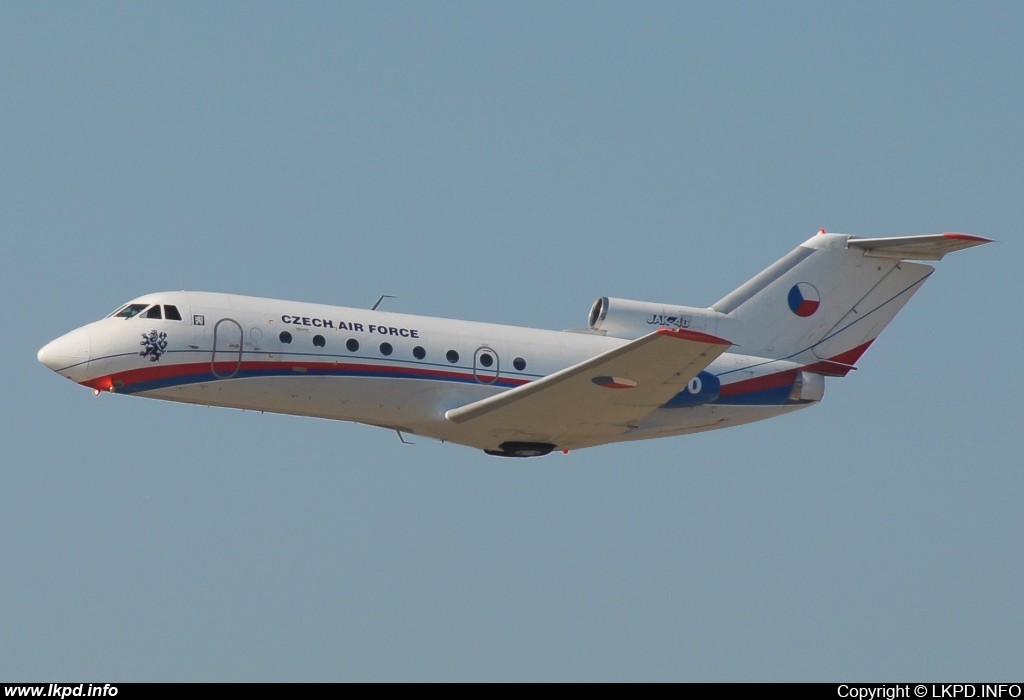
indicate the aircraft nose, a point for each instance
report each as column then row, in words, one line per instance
column 68, row 355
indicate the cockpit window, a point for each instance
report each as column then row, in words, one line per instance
column 131, row 310
column 171, row 313
column 153, row 313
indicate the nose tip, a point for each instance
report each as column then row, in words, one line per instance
column 67, row 354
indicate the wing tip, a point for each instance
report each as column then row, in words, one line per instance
column 695, row 336
column 967, row 237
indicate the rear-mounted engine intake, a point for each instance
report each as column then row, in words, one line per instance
column 625, row 318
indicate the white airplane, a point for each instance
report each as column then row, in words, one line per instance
column 640, row 370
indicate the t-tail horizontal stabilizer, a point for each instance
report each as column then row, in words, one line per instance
column 932, row 247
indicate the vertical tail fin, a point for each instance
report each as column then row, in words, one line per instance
column 826, row 301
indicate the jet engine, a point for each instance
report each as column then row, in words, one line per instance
column 809, row 386
column 625, row 318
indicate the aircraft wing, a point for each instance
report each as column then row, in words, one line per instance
column 932, row 247
column 605, row 395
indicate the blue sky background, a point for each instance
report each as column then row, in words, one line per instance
column 510, row 163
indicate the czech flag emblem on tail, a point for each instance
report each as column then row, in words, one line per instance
column 804, row 299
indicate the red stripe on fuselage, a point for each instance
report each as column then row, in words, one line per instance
column 843, row 364
column 838, row 366
column 767, row 381
column 141, row 375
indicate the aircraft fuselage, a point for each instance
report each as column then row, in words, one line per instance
column 392, row 370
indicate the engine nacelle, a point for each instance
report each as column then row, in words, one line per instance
column 809, row 386
column 625, row 318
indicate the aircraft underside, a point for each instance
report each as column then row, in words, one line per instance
column 393, row 404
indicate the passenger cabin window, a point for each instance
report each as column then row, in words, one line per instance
column 352, row 344
column 285, row 337
column 386, row 349
column 519, row 363
column 452, row 356
column 171, row 313
column 418, row 352
column 319, row 341
column 131, row 310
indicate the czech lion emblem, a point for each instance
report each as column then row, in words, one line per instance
column 153, row 345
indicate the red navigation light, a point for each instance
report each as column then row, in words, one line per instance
column 100, row 384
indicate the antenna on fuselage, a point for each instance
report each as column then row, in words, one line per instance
column 404, row 441
column 380, row 299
